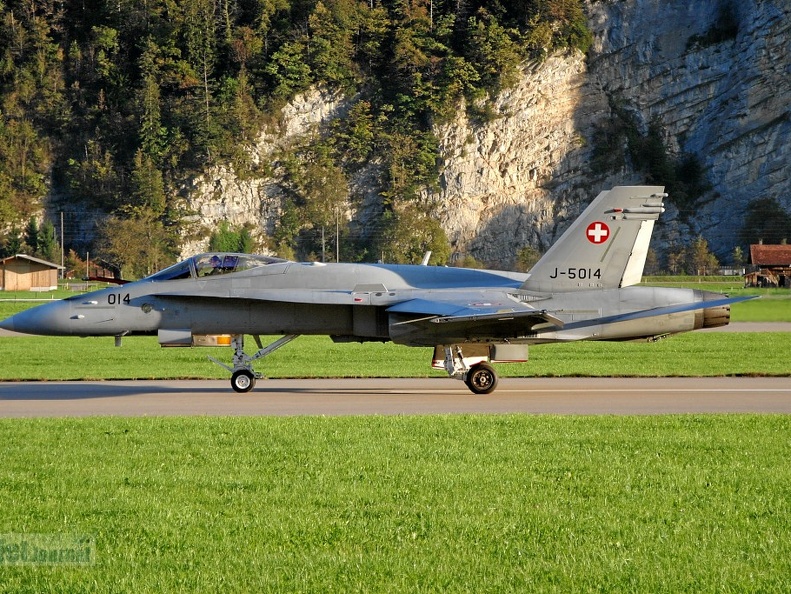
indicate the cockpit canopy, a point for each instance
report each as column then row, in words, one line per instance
column 212, row 264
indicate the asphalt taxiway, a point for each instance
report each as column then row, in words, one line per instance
column 340, row 397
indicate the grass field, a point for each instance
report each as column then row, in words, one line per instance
column 409, row 504
column 692, row 354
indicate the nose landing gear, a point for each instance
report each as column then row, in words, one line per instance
column 243, row 380
column 243, row 376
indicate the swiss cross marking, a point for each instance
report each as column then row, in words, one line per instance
column 597, row 232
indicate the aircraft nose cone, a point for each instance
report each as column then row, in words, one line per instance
column 7, row 324
column 51, row 319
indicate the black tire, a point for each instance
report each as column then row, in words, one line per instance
column 242, row 380
column 481, row 379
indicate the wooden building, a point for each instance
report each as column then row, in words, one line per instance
column 771, row 266
column 26, row 273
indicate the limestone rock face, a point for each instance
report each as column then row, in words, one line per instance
column 222, row 195
column 518, row 179
column 503, row 180
column 715, row 74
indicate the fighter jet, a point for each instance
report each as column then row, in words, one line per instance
column 583, row 288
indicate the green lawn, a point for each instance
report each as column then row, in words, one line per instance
column 405, row 504
column 692, row 354
column 769, row 308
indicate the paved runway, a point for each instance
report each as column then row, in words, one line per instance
column 577, row 396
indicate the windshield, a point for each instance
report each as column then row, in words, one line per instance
column 180, row 270
column 213, row 264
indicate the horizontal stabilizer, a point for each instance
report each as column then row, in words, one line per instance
column 659, row 311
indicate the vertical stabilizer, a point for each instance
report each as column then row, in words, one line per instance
column 605, row 247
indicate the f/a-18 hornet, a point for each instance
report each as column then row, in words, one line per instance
column 583, row 288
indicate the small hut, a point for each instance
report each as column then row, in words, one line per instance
column 771, row 266
column 26, row 273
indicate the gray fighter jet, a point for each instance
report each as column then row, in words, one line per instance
column 581, row 289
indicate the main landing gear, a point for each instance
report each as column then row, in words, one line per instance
column 243, row 376
column 476, row 372
column 481, row 379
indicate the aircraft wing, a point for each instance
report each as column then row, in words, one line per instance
column 448, row 312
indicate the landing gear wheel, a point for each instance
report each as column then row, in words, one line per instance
column 481, row 379
column 242, row 380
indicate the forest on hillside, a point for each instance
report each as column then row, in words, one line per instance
column 113, row 104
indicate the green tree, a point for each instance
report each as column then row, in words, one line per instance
column 331, row 50
column 14, row 242
column 8, row 213
column 738, row 257
column 246, row 117
column 354, row 135
column 48, row 248
column 229, row 239
column 412, row 55
column 137, row 243
column 201, row 44
column 699, row 259
column 153, row 134
column 371, row 38
column 319, row 192
column 526, row 258
column 492, row 52
column 675, row 260
column 24, row 161
column 409, row 233
column 32, row 236
column 325, row 189
column 766, row 221
column 106, row 44
column 289, row 70
column 411, row 164
column 95, row 177
column 148, row 188
column 651, row 262
column 75, row 266
column 287, row 230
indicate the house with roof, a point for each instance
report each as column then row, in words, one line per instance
column 772, row 266
column 26, row 273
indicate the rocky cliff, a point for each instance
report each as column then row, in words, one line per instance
column 714, row 76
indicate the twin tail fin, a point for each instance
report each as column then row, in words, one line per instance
column 606, row 247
